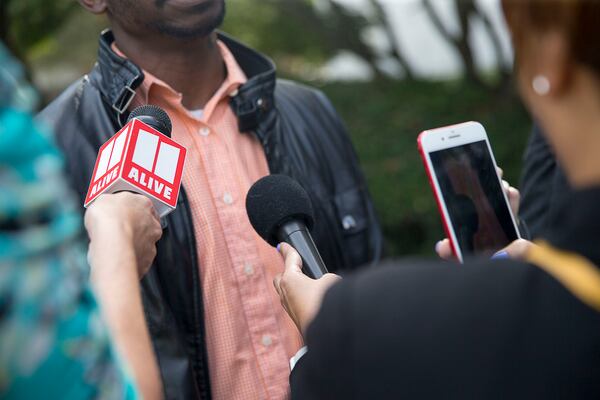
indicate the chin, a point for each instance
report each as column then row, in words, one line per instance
column 196, row 6
column 202, row 17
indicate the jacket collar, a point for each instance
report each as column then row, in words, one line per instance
column 252, row 103
column 576, row 226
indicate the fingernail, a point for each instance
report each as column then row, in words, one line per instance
column 436, row 248
column 500, row 255
column 279, row 247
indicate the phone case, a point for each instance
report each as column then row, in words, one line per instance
column 438, row 200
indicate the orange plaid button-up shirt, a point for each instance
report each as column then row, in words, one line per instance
column 249, row 337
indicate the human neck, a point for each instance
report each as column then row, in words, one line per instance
column 583, row 166
column 195, row 68
column 574, row 131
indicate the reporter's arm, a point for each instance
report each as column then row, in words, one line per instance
column 115, row 275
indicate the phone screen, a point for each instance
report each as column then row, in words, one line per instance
column 474, row 199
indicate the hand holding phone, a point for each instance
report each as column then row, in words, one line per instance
column 443, row 248
column 472, row 202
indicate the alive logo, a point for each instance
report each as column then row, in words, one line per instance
column 138, row 158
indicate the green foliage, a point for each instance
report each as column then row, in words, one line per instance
column 280, row 28
column 34, row 20
column 74, row 45
column 295, row 33
column 385, row 118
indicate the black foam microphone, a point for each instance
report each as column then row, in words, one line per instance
column 280, row 211
column 154, row 116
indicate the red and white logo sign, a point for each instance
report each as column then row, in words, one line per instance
column 140, row 159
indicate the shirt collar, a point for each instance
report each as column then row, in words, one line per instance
column 234, row 79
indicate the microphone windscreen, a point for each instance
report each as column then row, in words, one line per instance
column 154, row 116
column 274, row 200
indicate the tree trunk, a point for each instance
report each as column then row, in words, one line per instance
column 504, row 71
column 465, row 9
column 345, row 34
column 460, row 42
column 394, row 43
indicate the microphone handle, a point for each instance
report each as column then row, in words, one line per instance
column 297, row 235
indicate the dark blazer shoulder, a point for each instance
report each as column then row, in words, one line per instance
column 80, row 124
column 305, row 97
column 294, row 88
column 321, row 129
column 64, row 105
column 544, row 186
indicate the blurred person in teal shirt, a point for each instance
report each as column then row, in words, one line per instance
column 54, row 341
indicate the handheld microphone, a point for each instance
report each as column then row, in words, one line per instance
column 280, row 211
column 153, row 116
column 141, row 158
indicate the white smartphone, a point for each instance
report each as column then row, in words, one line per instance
column 463, row 175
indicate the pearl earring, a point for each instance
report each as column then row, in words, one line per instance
column 541, row 85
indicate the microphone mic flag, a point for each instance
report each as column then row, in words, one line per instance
column 141, row 158
column 280, row 210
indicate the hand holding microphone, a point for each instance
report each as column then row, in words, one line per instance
column 300, row 296
column 136, row 180
column 123, row 230
column 140, row 158
column 280, row 211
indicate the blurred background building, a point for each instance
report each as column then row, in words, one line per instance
column 391, row 67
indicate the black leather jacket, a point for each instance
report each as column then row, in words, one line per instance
column 302, row 137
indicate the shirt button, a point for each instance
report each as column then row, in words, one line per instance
column 267, row 341
column 205, row 131
column 248, row 269
column 228, row 199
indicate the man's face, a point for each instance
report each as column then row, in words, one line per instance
column 182, row 19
